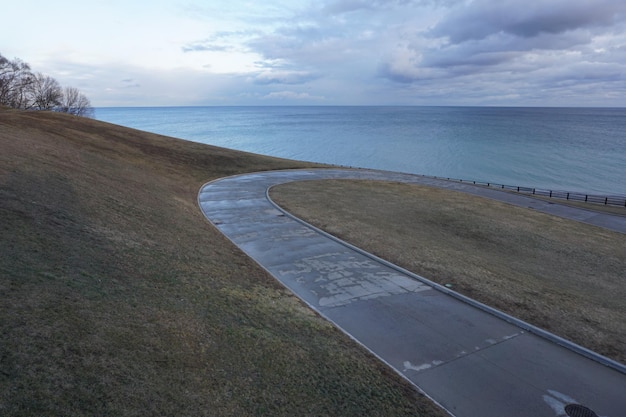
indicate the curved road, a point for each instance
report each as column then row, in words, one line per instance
column 470, row 359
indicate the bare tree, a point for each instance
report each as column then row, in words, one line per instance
column 76, row 103
column 15, row 81
column 21, row 89
column 45, row 93
column 5, row 80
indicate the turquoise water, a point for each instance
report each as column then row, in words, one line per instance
column 573, row 149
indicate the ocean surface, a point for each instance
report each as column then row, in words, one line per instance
column 571, row 149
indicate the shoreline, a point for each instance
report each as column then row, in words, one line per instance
column 557, row 150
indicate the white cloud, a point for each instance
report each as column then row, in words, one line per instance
column 284, row 77
column 291, row 95
column 331, row 52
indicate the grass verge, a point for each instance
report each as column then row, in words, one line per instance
column 560, row 275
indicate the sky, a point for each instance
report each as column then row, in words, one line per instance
column 326, row 52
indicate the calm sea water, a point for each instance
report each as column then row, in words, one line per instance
column 573, row 149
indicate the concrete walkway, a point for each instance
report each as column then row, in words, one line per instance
column 472, row 360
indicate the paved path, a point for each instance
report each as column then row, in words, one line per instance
column 473, row 361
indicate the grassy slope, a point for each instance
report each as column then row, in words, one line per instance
column 564, row 276
column 118, row 298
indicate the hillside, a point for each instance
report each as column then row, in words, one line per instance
column 118, row 298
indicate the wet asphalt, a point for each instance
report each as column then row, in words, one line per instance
column 470, row 359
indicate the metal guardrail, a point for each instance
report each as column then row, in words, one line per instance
column 610, row 200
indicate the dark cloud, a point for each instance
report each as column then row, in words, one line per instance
column 529, row 45
column 483, row 18
column 476, row 61
column 586, row 72
column 386, row 70
column 474, row 51
column 498, row 49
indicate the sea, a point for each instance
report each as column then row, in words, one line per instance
column 567, row 149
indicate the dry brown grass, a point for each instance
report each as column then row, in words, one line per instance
column 118, row 298
column 564, row 276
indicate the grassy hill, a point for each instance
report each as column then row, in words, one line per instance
column 118, row 298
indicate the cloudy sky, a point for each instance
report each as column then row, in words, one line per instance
column 326, row 52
